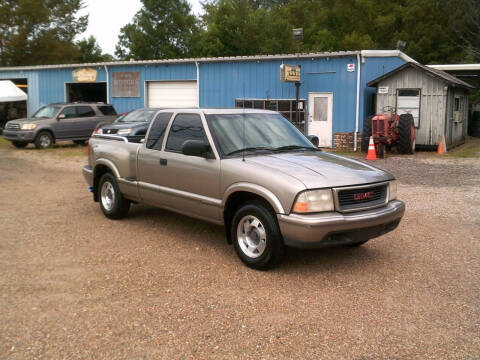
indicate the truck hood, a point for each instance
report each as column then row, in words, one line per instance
column 28, row 120
column 318, row 169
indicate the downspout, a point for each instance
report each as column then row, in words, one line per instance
column 357, row 109
column 198, row 83
column 107, row 77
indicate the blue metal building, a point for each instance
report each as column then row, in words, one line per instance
column 334, row 96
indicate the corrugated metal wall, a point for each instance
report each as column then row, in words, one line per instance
column 223, row 82
column 432, row 103
column 372, row 69
column 33, row 86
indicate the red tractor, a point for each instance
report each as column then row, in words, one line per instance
column 389, row 130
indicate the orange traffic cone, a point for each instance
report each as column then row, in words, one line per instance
column 442, row 147
column 372, row 154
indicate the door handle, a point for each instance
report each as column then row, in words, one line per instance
column 163, row 162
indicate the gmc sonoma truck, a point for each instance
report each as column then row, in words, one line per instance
column 251, row 171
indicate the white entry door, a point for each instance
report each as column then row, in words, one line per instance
column 320, row 106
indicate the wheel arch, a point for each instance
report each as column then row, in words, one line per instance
column 48, row 130
column 238, row 194
column 102, row 166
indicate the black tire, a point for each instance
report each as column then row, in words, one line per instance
column 406, row 145
column 43, row 140
column 366, row 133
column 273, row 249
column 80, row 142
column 119, row 206
column 19, row 144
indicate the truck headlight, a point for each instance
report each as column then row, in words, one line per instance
column 124, row 131
column 392, row 190
column 28, row 126
column 312, row 201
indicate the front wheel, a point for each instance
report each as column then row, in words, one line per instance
column 43, row 140
column 112, row 203
column 256, row 236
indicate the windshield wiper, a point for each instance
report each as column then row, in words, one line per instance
column 253, row 148
column 294, row 147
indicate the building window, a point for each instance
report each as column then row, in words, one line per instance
column 286, row 107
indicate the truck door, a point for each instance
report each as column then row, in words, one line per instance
column 187, row 184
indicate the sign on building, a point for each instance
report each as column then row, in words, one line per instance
column 126, row 84
column 289, row 73
column 383, row 89
column 351, row 67
column 85, row 75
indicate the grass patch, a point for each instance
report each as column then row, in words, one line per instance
column 4, row 144
column 471, row 149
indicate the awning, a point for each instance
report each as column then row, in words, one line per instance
column 10, row 92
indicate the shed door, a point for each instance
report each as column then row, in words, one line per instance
column 172, row 94
column 408, row 102
column 320, row 107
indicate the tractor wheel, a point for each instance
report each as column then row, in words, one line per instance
column 366, row 133
column 406, row 134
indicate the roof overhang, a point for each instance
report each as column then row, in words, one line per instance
column 364, row 53
column 10, row 92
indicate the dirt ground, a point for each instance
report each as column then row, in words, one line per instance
column 75, row 285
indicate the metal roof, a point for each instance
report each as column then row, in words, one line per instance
column 442, row 75
column 365, row 53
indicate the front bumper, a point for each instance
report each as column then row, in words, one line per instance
column 18, row 135
column 330, row 229
column 87, row 171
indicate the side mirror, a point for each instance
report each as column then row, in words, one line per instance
column 313, row 139
column 61, row 116
column 196, row 148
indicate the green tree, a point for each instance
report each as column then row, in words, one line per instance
column 244, row 27
column 161, row 29
column 90, row 51
column 39, row 31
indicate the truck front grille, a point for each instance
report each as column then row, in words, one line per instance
column 13, row 126
column 361, row 198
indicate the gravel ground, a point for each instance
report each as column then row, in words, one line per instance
column 75, row 285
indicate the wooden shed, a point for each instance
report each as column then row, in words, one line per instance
column 438, row 102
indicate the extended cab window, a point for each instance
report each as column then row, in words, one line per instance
column 69, row 112
column 185, row 127
column 157, row 131
column 85, row 111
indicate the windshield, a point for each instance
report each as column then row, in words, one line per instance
column 46, row 112
column 137, row 116
column 271, row 132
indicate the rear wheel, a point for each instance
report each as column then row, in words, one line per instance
column 19, row 144
column 406, row 134
column 112, row 203
column 366, row 133
column 43, row 140
column 256, row 236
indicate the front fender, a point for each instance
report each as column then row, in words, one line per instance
column 256, row 189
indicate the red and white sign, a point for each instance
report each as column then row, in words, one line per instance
column 351, row 67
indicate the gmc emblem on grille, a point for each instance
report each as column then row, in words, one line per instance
column 363, row 196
